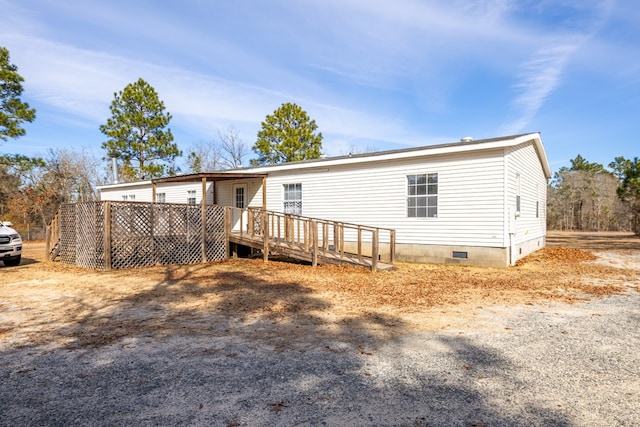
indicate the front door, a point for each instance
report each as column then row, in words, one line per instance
column 240, row 202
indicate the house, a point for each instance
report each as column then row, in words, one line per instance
column 473, row 202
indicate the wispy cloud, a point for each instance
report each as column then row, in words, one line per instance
column 539, row 77
column 541, row 74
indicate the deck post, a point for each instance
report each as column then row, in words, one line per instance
column 250, row 221
column 314, row 243
column 264, row 193
column 392, row 246
column 227, row 228
column 265, row 238
column 204, row 219
column 325, row 236
column 374, row 249
column 107, row 235
column 359, row 244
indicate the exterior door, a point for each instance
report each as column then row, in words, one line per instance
column 240, row 202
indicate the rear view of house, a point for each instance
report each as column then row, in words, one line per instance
column 474, row 202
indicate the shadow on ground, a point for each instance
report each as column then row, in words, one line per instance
column 254, row 353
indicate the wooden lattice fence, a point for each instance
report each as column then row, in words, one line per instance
column 105, row 235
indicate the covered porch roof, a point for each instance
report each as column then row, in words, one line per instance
column 213, row 177
column 208, row 176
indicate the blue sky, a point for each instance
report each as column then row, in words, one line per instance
column 375, row 75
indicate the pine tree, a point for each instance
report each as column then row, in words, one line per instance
column 287, row 135
column 137, row 134
column 13, row 112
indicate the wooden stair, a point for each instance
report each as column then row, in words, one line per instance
column 53, row 237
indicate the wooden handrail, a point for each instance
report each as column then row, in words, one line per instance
column 314, row 235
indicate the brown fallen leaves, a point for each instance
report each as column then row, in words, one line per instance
column 96, row 308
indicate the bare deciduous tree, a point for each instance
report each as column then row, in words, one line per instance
column 232, row 149
column 227, row 152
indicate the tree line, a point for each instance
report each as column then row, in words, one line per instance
column 139, row 137
column 590, row 196
column 584, row 196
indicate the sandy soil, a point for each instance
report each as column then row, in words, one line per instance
column 247, row 343
column 46, row 302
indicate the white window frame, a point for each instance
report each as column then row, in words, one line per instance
column 161, row 197
column 422, row 195
column 191, row 197
column 292, row 198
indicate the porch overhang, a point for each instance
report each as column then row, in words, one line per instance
column 213, row 177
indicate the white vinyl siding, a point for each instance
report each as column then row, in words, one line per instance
column 470, row 196
column 526, row 179
column 253, row 195
column 476, row 194
column 174, row 192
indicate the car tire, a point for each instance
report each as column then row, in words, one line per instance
column 12, row 262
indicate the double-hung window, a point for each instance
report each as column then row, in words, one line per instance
column 292, row 199
column 191, row 197
column 422, row 195
column 161, row 197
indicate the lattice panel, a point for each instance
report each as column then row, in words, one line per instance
column 216, row 234
column 90, row 235
column 68, row 234
column 142, row 234
column 257, row 222
column 131, row 238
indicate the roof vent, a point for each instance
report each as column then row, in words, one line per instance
column 466, row 139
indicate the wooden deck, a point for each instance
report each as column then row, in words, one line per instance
column 312, row 240
column 214, row 234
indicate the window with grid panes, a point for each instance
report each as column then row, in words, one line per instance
column 422, row 195
column 191, row 197
column 292, row 199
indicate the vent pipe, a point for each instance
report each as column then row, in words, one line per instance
column 114, row 168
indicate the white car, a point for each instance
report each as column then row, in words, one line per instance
column 10, row 245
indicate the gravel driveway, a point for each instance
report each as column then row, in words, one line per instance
column 525, row 365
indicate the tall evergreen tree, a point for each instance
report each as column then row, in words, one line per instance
column 629, row 190
column 287, row 135
column 137, row 134
column 13, row 112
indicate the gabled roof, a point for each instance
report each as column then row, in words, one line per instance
column 429, row 150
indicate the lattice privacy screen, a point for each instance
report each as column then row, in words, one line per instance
column 140, row 234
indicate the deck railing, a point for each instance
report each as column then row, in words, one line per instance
column 313, row 235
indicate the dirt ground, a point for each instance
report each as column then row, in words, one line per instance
column 247, row 343
column 46, row 302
